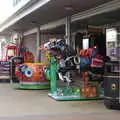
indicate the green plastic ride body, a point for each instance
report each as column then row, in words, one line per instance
column 53, row 75
column 63, row 94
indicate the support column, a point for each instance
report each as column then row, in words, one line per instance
column 38, row 54
column 68, row 30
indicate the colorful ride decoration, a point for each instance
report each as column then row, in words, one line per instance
column 14, row 50
column 89, row 92
column 91, row 57
column 31, row 73
column 28, row 57
column 11, row 51
column 91, row 62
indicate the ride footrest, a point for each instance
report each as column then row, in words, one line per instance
column 68, row 94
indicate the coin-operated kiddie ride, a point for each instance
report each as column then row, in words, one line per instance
column 25, row 74
column 63, row 62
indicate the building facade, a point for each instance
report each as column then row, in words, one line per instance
column 39, row 20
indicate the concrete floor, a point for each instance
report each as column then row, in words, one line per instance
column 36, row 105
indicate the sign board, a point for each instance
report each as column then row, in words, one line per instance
column 85, row 43
column 111, row 43
column 111, row 35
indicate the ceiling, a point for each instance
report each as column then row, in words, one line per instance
column 97, row 21
column 54, row 10
column 106, row 18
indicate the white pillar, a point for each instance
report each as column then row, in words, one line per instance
column 68, row 30
column 0, row 50
column 38, row 54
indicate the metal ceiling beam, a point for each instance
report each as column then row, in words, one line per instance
column 31, row 31
column 53, row 24
column 46, row 26
column 104, row 8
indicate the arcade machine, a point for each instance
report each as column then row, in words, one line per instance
column 112, row 69
column 62, row 62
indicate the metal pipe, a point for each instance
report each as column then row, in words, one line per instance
column 68, row 30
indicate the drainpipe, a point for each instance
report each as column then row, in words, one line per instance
column 68, row 30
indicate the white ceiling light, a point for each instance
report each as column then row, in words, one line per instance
column 68, row 7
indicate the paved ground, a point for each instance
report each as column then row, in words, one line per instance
column 36, row 105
